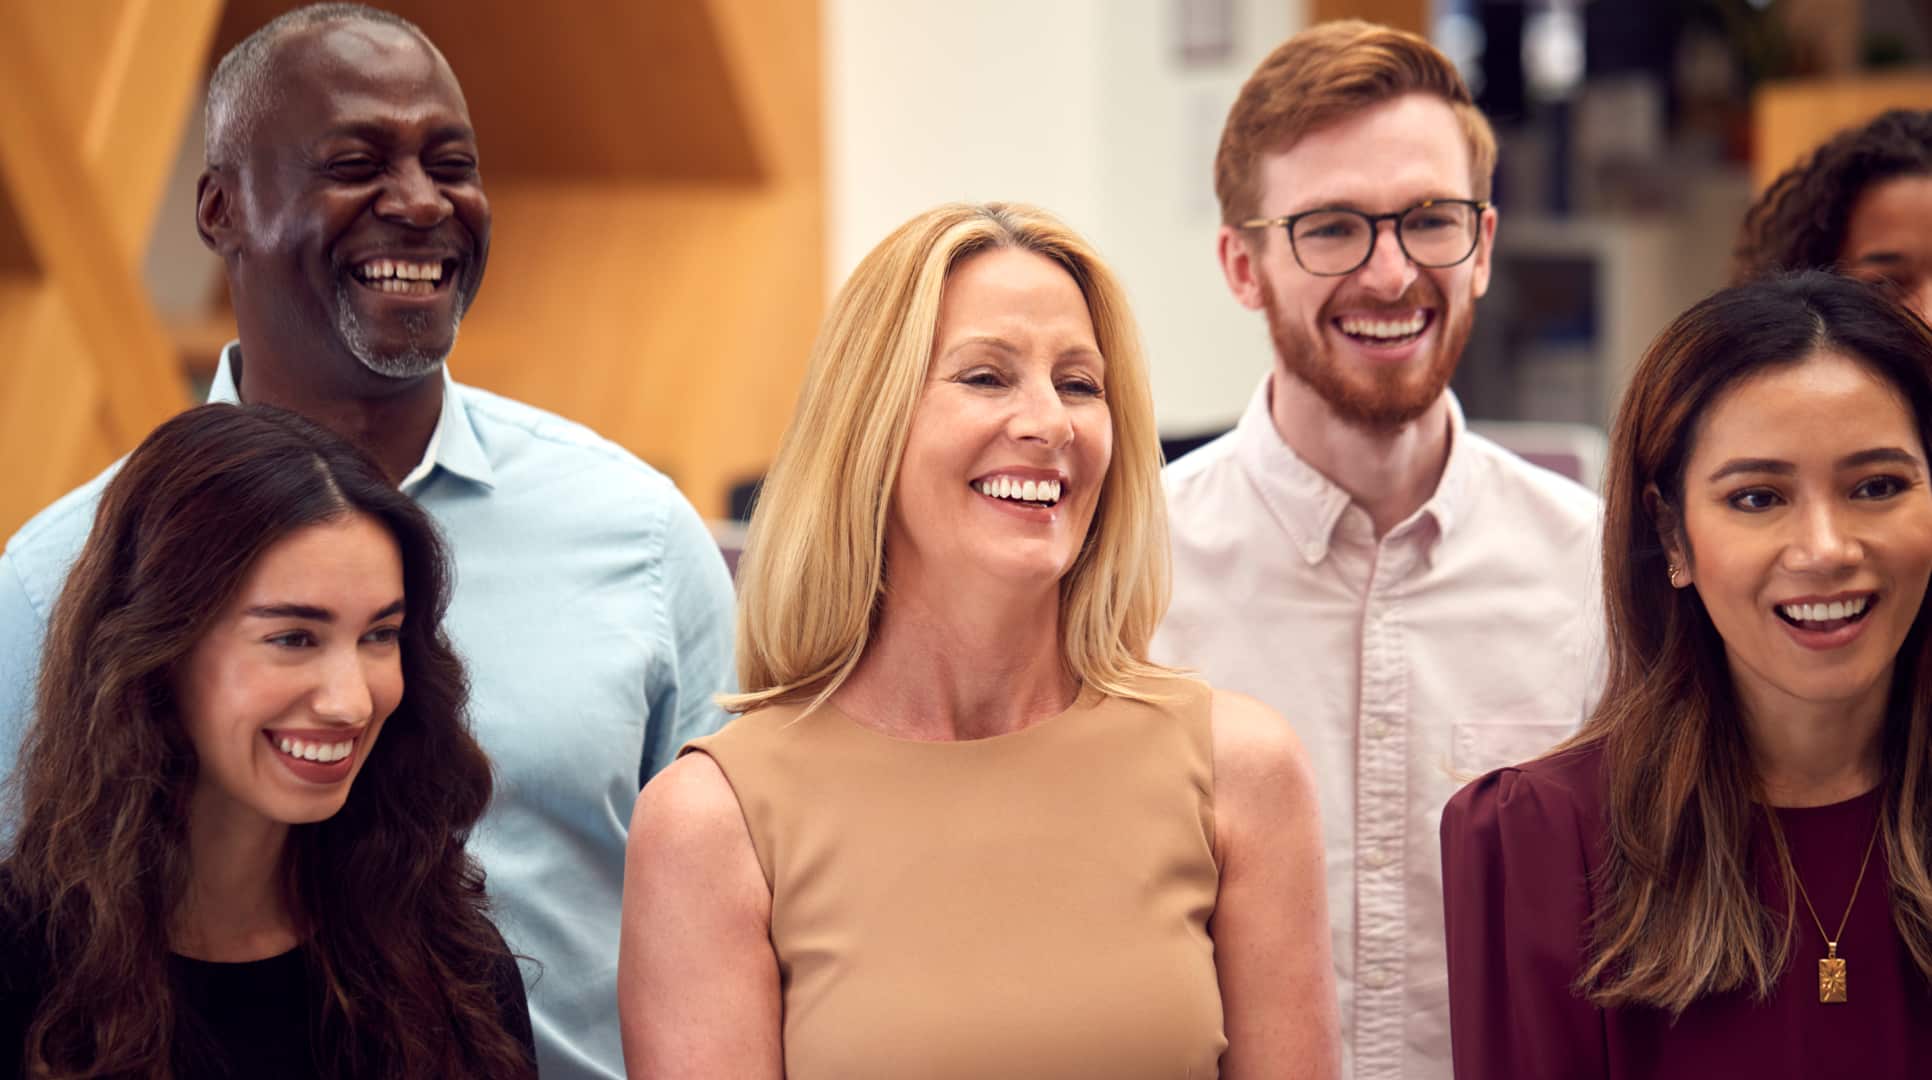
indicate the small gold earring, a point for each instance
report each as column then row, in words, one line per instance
column 1675, row 572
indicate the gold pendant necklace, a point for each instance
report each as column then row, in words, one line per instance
column 1831, row 970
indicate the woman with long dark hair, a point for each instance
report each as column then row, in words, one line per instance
column 243, row 800
column 1728, row 871
column 1860, row 203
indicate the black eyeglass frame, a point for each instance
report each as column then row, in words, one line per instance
column 1287, row 222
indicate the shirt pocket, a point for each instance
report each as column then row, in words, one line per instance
column 1475, row 749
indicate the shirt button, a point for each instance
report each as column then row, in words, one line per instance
column 1380, row 729
column 1377, row 857
column 1377, row 979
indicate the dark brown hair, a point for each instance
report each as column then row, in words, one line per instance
column 1322, row 75
column 1681, row 917
column 1799, row 223
column 390, row 908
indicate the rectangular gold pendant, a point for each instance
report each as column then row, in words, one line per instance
column 1831, row 981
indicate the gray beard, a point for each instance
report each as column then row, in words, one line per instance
column 416, row 359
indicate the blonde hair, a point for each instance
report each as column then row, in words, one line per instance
column 813, row 574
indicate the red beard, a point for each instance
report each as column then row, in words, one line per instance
column 1375, row 398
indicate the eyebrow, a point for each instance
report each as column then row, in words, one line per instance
column 383, row 134
column 1882, row 455
column 1351, row 204
column 1001, row 344
column 311, row 613
column 1082, row 351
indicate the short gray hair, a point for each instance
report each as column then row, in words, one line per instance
column 243, row 88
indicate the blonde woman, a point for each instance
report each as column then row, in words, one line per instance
column 963, row 828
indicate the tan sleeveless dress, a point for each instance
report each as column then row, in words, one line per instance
column 1029, row 905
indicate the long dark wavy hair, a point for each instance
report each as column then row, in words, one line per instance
column 1682, row 916
column 1799, row 223
column 391, row 910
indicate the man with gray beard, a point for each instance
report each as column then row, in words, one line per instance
column 592, row 608
column 1416, row 601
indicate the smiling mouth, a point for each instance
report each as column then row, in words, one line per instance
column 405, row 277
column 317, row 751
column 1823, row 618
column 1386, row 330
column 1037, row 493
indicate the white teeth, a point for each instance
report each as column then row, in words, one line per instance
column 378, row 271
column 1005, row 487
column 1837, row 609
column 1384, row 328
column 318, row 752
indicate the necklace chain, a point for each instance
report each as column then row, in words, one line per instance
column 1831, row 940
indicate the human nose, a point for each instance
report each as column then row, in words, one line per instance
column 1040, row 416
column 1822, row 542
column 342, row 693
column 1388, row 273
column 413, row 198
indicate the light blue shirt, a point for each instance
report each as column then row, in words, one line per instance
column 594, row 613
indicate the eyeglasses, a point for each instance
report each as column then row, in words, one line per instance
column 1332, row 241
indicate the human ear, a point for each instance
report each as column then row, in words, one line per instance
column 1670, row 534
column 214, row 213
column 1238, row 257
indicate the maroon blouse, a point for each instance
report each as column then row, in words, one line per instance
column 1518, row 847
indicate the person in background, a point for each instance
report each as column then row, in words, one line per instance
column 1728, row 872
column 247, row 785
column 344, row 194
column 1861, row 203
column 963, row 827
column 1415, row 599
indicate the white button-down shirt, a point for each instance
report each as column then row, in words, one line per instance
column 1469, row 637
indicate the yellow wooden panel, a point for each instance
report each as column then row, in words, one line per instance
column 636, row 310
column 69, row 36
column 51, row 432
column 649, row 92
column 773, row 51
column 50, row 189
column 16, row 257
column 1789, row 119
column 151, row 77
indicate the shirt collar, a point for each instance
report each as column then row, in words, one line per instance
column 1308, row 506
column 453, row 444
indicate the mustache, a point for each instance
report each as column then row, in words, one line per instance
column 1421, row 294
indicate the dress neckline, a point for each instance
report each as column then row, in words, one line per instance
column 1084, row 700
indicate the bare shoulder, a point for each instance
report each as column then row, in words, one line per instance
column 1262, row 779
column 1254, row 742
column 687, row 815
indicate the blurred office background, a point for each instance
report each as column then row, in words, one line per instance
column 679, row 185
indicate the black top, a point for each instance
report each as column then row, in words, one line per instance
column 233, row 1020
column 1520, row 848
